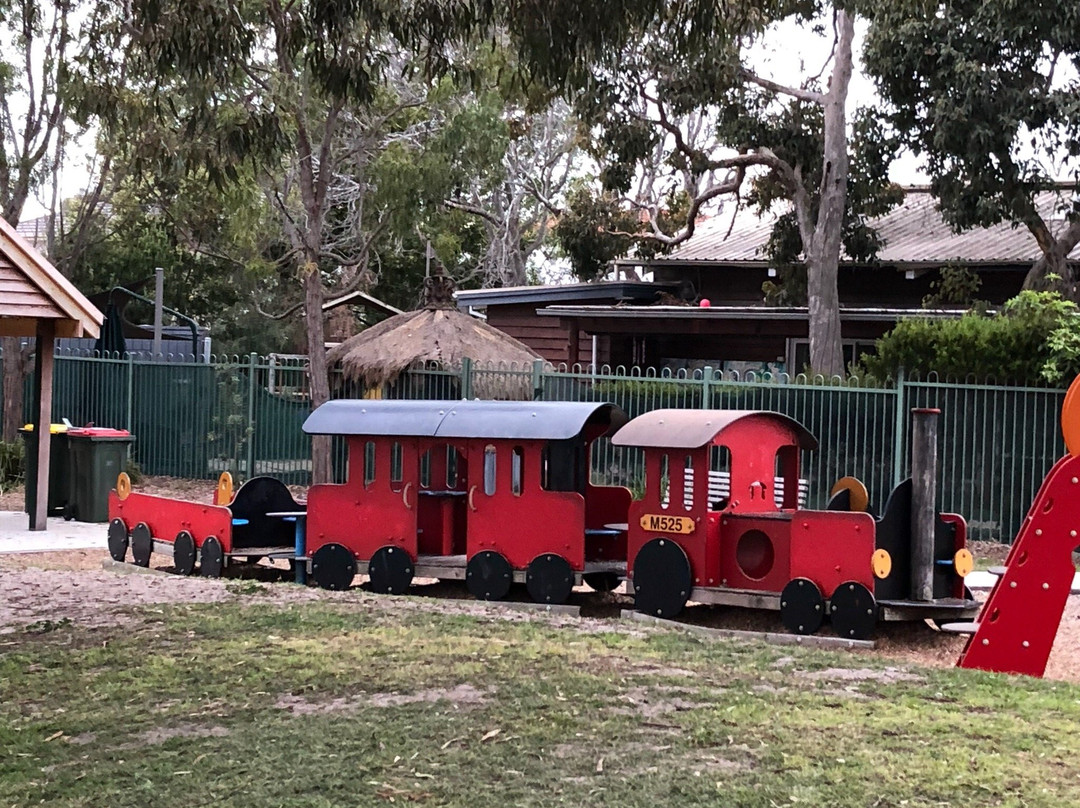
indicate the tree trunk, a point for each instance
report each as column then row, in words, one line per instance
column 823, row 253
column 14, row 370
column 318, row 377
column 1054, row 261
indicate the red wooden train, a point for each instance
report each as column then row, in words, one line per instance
column 495, row 493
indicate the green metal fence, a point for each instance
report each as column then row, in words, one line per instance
column 244, row 414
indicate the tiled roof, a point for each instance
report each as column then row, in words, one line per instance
column 913, row 233
column 34, row 231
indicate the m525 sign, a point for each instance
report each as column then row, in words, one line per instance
column 661, row 523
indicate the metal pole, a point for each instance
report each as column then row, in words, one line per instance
column 253, row 359
column 924, row 432
column 159, row 292
column 898, row 431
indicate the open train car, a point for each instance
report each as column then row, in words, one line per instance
column 753, row 545
column 257, row 521
column 486, row 491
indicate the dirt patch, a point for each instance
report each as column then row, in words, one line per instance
column 73, row 560
column 885, row 675
column 159, row 735
column 462, row 695
column 653, row 702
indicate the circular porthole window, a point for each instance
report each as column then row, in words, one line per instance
column 754, row 554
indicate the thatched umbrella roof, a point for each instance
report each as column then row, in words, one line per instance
column 439, row 334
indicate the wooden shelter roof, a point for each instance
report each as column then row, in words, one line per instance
column 32, row 289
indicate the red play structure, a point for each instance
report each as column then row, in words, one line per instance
column 496, row 493
column 1017, row 625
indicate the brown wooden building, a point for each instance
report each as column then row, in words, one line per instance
column 725, row 263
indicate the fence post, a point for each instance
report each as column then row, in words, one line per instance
column 130, row 404
column 706, row 387
column 538, row 379
column 898, row 430
column 253, row 359
column 466, row 378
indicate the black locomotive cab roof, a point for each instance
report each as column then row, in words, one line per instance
column 512, row 420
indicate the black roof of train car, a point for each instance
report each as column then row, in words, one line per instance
column 512, row 420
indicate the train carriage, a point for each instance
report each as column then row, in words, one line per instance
column 755, row 546
column 489, row 492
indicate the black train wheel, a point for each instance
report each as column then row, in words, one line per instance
column 118, row 540
column 661, row 578
column 142, row 544
column 549, row 578
column 211, row 558
column 390, row 571
column 488, row 576
column 802, row 608
column 853, row 611
column 333, row 566
column 183, row 553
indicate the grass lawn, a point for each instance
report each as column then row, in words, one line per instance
column 367, row 703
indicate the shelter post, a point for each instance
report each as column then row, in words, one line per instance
column 43, row 383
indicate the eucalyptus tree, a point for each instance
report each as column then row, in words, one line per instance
column 988, row 92
column 684, row 121
column 273, row 85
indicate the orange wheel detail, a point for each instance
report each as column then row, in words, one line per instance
column 123, row 485
column 857, row 494
column 224, row 492
column 881, row 563
column 963, row 562
column 1070, row 418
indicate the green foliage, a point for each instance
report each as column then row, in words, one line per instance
column 956, row 285
column 976, row 88
column 593, row 230
column 1034, row 339
column 12, row 464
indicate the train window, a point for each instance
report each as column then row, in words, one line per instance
column 688, row 483
column 425, row 469
column 719, row 477
column 489, row 470
column 396, row 471
column 786, row 487
column 563, row 465
column 369, row 462
column 451, row 468
column 517, row 471
column 665, row 481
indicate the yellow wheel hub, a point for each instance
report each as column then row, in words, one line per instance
column 881, row 563
column 857, row 495
column 223, row 493
column 963, row 562
column 123, row 485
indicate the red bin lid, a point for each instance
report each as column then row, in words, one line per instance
column 98, row 432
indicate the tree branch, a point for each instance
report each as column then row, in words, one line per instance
column 810, row 96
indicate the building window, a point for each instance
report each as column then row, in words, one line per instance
column 798, row 353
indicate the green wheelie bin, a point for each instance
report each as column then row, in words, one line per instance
column 59, row 468
column 97, row 457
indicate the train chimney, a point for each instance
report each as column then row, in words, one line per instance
column 924, row 432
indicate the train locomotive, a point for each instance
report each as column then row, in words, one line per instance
column 497, row 493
